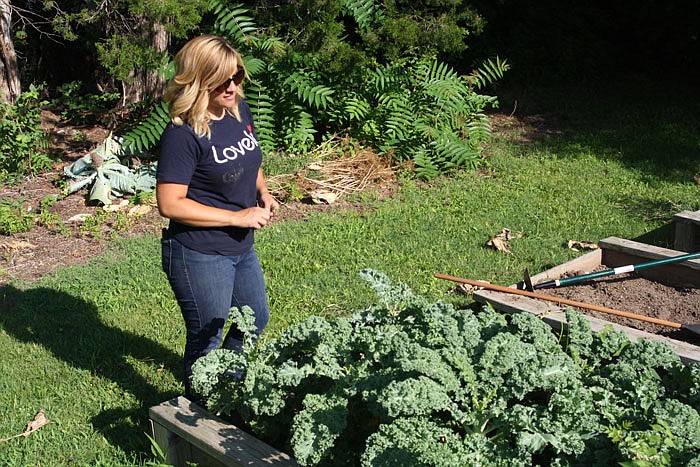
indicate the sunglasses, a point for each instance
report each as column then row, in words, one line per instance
column 237, row 79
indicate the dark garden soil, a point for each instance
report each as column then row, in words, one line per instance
column 641, row 296
column 27, row 256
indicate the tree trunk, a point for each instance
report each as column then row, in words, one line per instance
column 9, row 71
column 148, row 83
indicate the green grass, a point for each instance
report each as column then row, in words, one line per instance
column 96, row 345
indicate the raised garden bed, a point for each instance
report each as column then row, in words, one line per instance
column 615, row 252
column 410, row 398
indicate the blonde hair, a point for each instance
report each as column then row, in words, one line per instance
column 202, row 64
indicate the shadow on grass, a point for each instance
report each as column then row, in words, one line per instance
column 71, row 329
column 649, row 124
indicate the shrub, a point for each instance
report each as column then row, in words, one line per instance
column 82, row 108
column 14, row 218
column 409, row 382
column 23, row 144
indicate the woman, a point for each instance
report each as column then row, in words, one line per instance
column 211, row 187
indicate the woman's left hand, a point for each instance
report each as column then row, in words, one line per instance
column 268, row 201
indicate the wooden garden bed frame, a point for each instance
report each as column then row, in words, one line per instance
column 186, row 433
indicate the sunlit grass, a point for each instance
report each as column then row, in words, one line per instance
column 96, row 345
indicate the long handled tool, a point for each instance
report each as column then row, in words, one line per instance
column 694, row 328
column 527, row 283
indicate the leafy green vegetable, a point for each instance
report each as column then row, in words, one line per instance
column 102, row 170
column 408, row 382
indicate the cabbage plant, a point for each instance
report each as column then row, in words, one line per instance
column 102, row 170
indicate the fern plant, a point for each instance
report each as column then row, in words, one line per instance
column 145, row 135
column 425, row 112
column 365, row 12
column 418, row 110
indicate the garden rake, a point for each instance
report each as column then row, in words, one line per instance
column 694, row 328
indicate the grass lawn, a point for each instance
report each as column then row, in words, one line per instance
column 96, row 345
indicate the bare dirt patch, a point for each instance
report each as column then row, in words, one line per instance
column 24, row 257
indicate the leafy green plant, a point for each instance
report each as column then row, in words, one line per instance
column 422, row 112
column 94, row 224
column 80, row 107
column 146, row 134
column 23, row 143
column 14, row 218
column 413, row 108
column 48, row 218
column 103, row 171
column 409, row 382
column 120, row 223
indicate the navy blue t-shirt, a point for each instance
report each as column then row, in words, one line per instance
column 220, row 171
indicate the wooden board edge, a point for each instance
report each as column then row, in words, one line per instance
column 212, row 435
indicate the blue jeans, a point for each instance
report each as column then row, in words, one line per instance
column 207, row 287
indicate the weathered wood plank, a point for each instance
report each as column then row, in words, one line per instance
column 687, row 231
column 621, row 252
column 188, row 433
column 586, row 263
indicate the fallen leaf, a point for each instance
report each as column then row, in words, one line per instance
column 575, row 245
column 499, row 244
column 465, row 289
column 323, row 196
column 38, row 421
column 15, row 245
column 499, row 241
column 139, row 210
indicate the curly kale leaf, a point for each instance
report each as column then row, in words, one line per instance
column 214, row 379
column 298, row 342
column 683, row 383
column 244, row 319
column 440, row 325
column 297, row 358
column 415, row 396
column 554, row 428
column 316, row 428
column 607, row 345
column 531, row 329
column 654, row 354
column 516, row 368
column 414, row 441
column 684, row 424
column 579, row 336
column 491, row 322
column 634, row 382
column 394, row 297
column 414, row 359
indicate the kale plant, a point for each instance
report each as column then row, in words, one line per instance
column 408, row 382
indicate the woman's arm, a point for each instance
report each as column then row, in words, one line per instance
column 174, row 204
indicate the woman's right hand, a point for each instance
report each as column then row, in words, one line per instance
column 254, row 218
